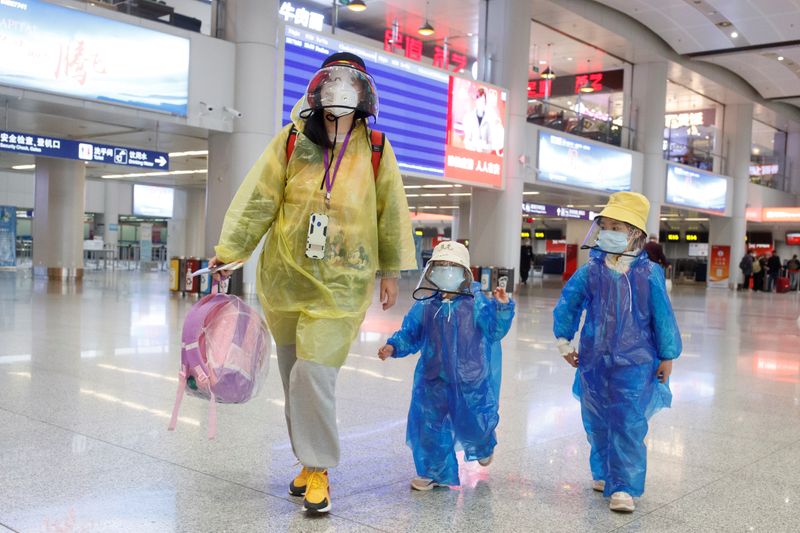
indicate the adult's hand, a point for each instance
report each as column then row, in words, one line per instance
column 222, row 274
column 388, row 292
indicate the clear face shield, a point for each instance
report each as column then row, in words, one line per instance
column 614, row 237
column 341, row 90
column 445, row 278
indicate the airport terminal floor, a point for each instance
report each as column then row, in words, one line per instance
column 88, row 377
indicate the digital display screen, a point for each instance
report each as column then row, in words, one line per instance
column 152, row 201
column 45, row 47
column 697, row 189
column 567, row 161
column 793, row 238
column 673, row 237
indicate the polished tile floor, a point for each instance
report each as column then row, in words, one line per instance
column 88, row 376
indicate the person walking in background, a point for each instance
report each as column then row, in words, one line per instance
column 746, row 266
column 759, row 267
column 793, row 266
column 525, row 260
column 656, row 252
column 774, row 267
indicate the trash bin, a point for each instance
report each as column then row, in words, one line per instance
column 175, row 274
column 205, row 279
column 505, row 279
column 488, row 278
column 700, row 272
column 476, row 273
column 234, row 284
column 192, row 284
column 181, row 274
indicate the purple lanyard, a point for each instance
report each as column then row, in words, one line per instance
column 331, row 179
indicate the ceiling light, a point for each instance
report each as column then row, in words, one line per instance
column 412, row 195
column 734, row 35
column 23, row 167
column 189, row 153
column 437, row 186
column 426, row 29
column 548, row 74
column 569, row 59
column 724, row 24
column 432, row 194
column 530, row 193
column 780, row 58
column 470, row 34
column 542, row 62
column 460, row 194
column 153, row 174
column 356, row 5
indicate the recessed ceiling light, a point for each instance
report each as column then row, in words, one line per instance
column 734, row 35
column 569, row 59
column 780, row 58
column 470, row 34
column 542, row 62
column 724, row 24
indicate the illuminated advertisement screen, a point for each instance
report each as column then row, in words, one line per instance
column 413, row 98
column 696, row 189
column 566, row 161
column 793, row 238
column 152, row 201
column 44, row 47
column 476, row 132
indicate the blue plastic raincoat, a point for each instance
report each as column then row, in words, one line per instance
column 456, row 391
column 629, row 329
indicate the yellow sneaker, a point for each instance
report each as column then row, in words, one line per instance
column 318, row 499
column 298, row 485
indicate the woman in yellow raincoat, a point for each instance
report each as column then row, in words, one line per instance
column 331, row 224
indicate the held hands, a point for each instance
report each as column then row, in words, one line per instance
column 386, row 352
column 664, row 370
column 501, row 295
column 572, row 359
column 388, row 293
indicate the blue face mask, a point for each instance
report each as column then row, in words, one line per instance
column 447, row 278
column 614, row 242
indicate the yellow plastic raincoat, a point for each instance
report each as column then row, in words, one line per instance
column 319, row 305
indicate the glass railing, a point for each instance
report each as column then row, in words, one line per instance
column 151, row 9
column 590, row 125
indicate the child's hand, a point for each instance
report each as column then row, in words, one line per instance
column 501, row 295
column 664, row 370
column 385, row 352
column 572, row 359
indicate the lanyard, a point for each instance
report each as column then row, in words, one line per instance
column 330, row 179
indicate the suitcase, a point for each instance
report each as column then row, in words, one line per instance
column 782, row 285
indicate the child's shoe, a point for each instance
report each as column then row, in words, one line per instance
column 598, row 485
column 298, row 485
column 622, row 502
column 318, row 499
column 486, row 461
column 423, row 484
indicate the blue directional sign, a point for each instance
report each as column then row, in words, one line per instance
column 39, row 145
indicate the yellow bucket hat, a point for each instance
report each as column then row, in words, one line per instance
column 630, row 207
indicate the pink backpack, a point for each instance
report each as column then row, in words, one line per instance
column 224, row 354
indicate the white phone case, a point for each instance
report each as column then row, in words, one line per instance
column 317, row 236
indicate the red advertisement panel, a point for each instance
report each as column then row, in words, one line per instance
column 556, row 247
column 476, row 123
column 720, row 264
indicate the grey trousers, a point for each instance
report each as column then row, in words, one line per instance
column 309, row 390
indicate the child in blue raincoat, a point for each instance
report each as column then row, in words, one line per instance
column 456, row 392
column 627, row 345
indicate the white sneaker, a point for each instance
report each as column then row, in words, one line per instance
column 598, row 485
column 423, row 484
column 622, row 502
column 486, row 461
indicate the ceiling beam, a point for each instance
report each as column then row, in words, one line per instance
column 740, row 49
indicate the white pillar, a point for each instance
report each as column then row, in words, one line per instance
column 496, row 216
column 461, row 219
column 737, row 132
column 253, row 26
column 576, row 233
column 111, row 191
column 792, row 166
column 58, row 218
column 649, row 103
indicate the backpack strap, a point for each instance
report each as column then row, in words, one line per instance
column 377, row 140
column 290, row 142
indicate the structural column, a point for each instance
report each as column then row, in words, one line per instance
column 111, row 214
column 737, row 133
column 496, row 216
column 253, row 26
column 649, row 105
column 58, row 218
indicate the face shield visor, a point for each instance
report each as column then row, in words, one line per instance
column 443, row 277
column 616, row 239
column 341, row 90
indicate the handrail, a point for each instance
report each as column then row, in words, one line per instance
column 555, row 116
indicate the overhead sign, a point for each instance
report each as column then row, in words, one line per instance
column 152, row 201
column 697, row 189
column 567, row 161
column 301, row 16
column 600, row 82
column 39, row 145
column 697, row 249
column 557, row 211
column 411, row 48
column 793, row 238
column 780, row 214
column 673, row 236
column 50, row 48
column 764, row 170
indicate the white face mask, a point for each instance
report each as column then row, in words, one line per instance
column 339, row 98
column 447, row 277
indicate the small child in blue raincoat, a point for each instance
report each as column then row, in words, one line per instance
column 456, row 393
column 627, row 345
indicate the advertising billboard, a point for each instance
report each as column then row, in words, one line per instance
column 152, row 201
column 696, row 189
column 8, row 236
column 414, row 109
column 780, row 214
column 475, row 132
column 567, row 161
column 719, row 266
column 49, row 48
column 793, row 238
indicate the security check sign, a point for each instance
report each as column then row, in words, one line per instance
column 38, row 145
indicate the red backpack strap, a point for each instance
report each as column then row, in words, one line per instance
column 377, row 139
column 290, row 142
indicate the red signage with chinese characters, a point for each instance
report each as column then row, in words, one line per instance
column 411, row 48
column 608, row 81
